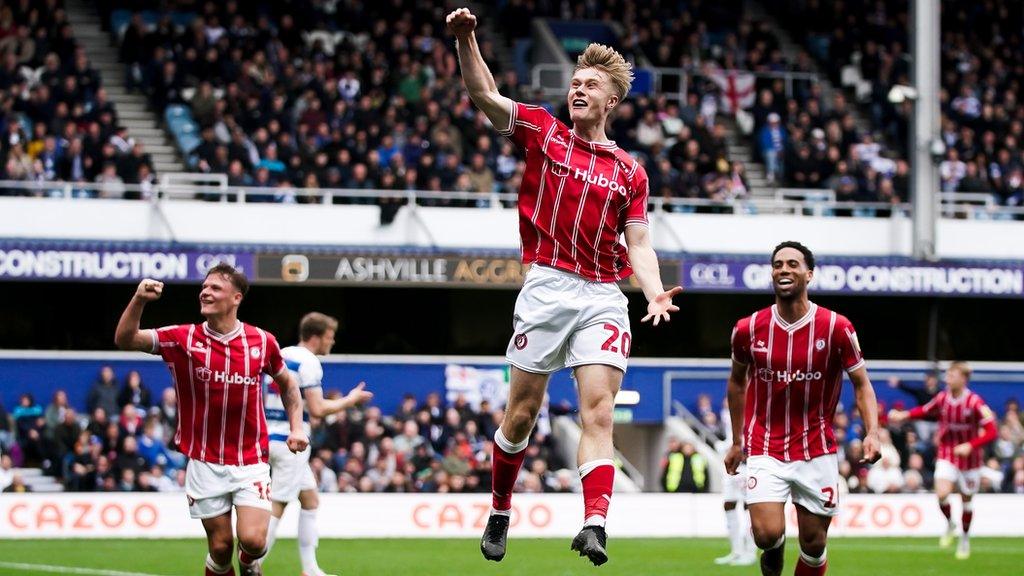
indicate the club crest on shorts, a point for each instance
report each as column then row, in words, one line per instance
column 751, row 482
column 820, row 344
column 520, row 341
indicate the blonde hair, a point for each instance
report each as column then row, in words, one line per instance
column 963, row 368
column 609, row 61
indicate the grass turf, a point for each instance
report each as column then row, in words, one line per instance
column 532, row 557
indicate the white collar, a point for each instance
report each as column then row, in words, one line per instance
column 788, row 327
column 222, row 338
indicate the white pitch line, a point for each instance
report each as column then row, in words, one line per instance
column 70, row 570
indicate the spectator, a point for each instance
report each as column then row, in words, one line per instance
column 885, row 476
column 134, row 391
column 683, row 469
column 772, row 141
column 104, row 393
column 30, row 426
column 55, row 411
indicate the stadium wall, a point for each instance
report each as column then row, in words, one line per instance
column 390, row 377
column 475, row 228
column 463, row 516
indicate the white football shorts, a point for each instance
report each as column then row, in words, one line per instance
column 564, row 320
column 290, row 472
column 813, row 484
column 967, row 481
column 734, row 488
column 212, row 489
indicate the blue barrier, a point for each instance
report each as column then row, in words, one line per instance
column 392, row 377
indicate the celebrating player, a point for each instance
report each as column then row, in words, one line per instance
column 961, row 414
column 290, row 472
column 787, row 372
column 580, row 192
column 217, row 369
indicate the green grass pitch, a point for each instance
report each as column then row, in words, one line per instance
column 526, row 557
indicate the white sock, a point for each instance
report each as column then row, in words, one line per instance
column 218, row 568
column 732, row 524
column 308, row 540
column 745, row 532
column 811, row 560
column 271, row 533
column 501, row 512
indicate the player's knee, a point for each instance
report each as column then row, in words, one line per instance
column 220, row 549
column 309, row 500
column 766, row 535
column 598, row 417
column 521, row 420
column 813, row 544
column 253, row 542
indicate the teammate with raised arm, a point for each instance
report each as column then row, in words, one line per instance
column 962, row 414
column 217, row 369
column 788, row 362
column 292, row 476
column 579, row 193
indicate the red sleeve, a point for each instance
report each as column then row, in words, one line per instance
column 636, row 211
column 273, row 362
column 846, row 345
column 741, row 342
column 528, row 125
column 931, row 409
column 168, row 338
column 987, row 419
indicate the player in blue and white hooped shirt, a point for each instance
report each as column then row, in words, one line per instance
column 290, row 473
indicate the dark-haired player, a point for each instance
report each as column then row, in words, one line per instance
column 217, row 368
column 788, row 362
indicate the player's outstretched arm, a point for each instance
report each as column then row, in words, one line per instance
column 645, row 267
column 319, row 406
column 736, row 390
column 292, row 400
column 867, row 404
column 128, row 336
column 475, row 73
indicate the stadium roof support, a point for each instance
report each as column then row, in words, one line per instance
column 925, row 145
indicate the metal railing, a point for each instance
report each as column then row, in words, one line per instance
column 553, row 79
column 785, row 201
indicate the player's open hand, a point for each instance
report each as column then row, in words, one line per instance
column 660, row 308
column 733, row 459
column 897, row 416
column 872, row 449
column 963, row 450
column 359, row 395
column 297, row 441
column 149, row 290
column 461, row 22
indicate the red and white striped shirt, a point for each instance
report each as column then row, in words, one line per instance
column 218, row 379
column 576, row 197
column 795, row 374
column 959, row 421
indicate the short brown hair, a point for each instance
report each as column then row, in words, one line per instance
column 963, row 368
column 237, row 278
column 316, row 324
column 609, row 61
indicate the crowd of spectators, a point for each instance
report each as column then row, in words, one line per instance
column 982, row 47
column 124, row 442
column 56, row 119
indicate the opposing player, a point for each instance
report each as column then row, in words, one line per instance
column 788, row 362
column 961, row 414
column 217, row 369
column 290, row 472
column 737, row 520
column 580, row 192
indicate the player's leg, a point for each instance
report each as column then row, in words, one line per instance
column 309, row 536
column 737, row 521
column 597, row 385
column 732, row 526
column 813, row 537
column 969, row 484
column 276, row 512
column 541, row 324
column 282, row 470
column 251, row 499
column 220, row 542
column 768, row 525
column 946, row 475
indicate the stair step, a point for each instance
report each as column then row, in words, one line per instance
column 28, row 472
column 132, row 115
column 158, row 149
column 144, row 131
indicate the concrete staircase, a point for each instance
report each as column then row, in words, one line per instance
column 741, row 150
column 39, row 482
column 133, row 110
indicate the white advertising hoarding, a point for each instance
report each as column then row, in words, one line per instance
column 104, row 515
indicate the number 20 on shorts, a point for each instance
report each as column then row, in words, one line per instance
column 618, row 340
